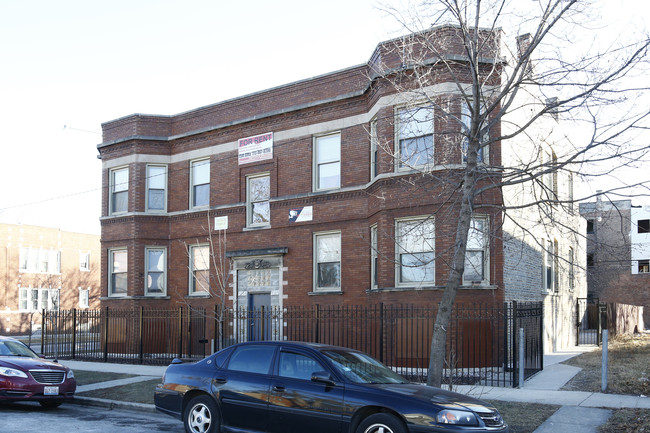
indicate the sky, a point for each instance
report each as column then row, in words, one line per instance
column 67, row 66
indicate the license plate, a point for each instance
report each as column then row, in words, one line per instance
column 51, row 390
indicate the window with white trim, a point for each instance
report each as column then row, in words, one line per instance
column 374, row 256
column 327, row 162
column 117, row 270
column 374, row 149
column 200, row 183
column 327, row 261
column 39, row 261
column 200, row 269
column 415, row 251
column 119, row 187
column 550, row 274
column 415, row 137
column 84, row 261
column 156, row 188
column 258, row 205
column 477, row 255
column 155, row 271
column 465, row 119
column 37, row 299
column 84, row 298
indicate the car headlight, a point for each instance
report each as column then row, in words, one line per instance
column 457, row 417
column 70, row 374
column 11, row 372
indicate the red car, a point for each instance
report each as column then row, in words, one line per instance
column 25, row 376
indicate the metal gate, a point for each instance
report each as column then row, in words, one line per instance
column 592, row 316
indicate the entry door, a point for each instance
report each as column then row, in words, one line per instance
column 259, row 317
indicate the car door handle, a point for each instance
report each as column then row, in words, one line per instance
column 279, row 388
column 220, row 380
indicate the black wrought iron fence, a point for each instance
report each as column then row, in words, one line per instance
column 151, row 336
column 482, row 341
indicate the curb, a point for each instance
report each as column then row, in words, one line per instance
column 113, row 404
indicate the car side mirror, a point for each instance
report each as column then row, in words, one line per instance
column 322, row 377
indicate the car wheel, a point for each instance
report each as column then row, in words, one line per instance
column 381, row 423
column 201, row 415
column 51, row 404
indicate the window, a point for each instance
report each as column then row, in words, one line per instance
column 84, row 298
column 415, row 252
column 550, row 176
column 643, row 226
column 415, row 137
column 156, row 187
column 550, row 267
column 84, row 262
column 572, row 272
column 37, row 299
column 119, row 186
column 298, row 366
column 466, row 118
column 327, row 269
column 644, row 266
column 590, row 260
column 590, row 226
column 571, row 195
column 39, row 261
column 200, row 181
column 252, row 359
column 374, row 145
column 117, row 268
column 258, row 206
column 200, row 266
column 477, row 254
column 327, row 165
column 155, row 266
column 373, row 256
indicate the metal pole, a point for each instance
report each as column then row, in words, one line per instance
column 603, row 385
column 521, row 357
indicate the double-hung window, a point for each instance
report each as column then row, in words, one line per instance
column 551, row 277
column 415, row 252
column 258, row 206
column 327, row 263
column 156, row 188
column 155, row 266
column 466, row 119
column 84, row 261
column 36, row 299
column 200, row 269
column 119, row 187
column 374, row 257
column 39, row 261
column 327, row 162
column 477, row 253
column 200, row 181
column 84, row 298
column 415, row 137
column 117, row 269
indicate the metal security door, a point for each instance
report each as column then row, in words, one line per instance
column 259, row 317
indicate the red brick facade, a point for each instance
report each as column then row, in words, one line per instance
column 345, row 101
column 45, row 265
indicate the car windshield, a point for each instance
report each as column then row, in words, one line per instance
column 14, row 348
column 358, row 367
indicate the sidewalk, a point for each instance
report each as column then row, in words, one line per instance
column 581, row 412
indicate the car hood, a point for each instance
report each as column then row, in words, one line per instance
column 436, row 396
column 26, row 363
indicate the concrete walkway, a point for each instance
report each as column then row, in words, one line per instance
column 581, row 412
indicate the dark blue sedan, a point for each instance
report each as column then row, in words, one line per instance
column 282, row 387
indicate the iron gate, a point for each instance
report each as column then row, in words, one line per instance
column 591, row 318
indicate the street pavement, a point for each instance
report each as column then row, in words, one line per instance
column 581, row 412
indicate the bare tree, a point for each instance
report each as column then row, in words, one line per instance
column 511, row 71
column 210, row 270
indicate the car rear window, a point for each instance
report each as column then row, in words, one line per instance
column 252, row 359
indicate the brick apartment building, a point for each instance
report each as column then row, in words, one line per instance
column 45, row 269
column 618, row 252
column 312, row 190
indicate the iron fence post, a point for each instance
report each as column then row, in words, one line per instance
column 74, row 332
column 43, row 332
column 140, row 337
column 381, row 332
column 515, row 345
column 180, row 332
column 106, row 322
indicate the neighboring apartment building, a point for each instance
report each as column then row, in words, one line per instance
column 45, row 269
column 312, row 191
column 618, row 252
column 544, row 243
